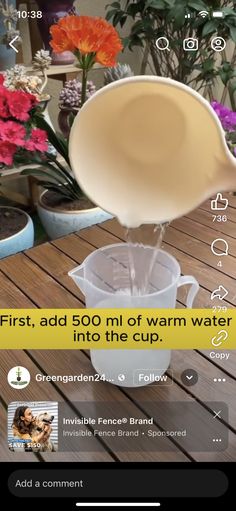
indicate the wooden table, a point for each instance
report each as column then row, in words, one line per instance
column 38, row 278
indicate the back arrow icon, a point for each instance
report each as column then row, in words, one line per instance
column 12, row 45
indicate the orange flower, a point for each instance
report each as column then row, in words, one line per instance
column 60, row 42
column 87, row 35
column 106, row 55
column 72, row 22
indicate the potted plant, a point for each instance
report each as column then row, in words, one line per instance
column 52, row 11
column 70, row 101
column 20, row 141
column 18, row 78
column 150, row 19
column 227, row 118
column 16, row 231
column 63, row 207
column 8, row 21
column 228, row 121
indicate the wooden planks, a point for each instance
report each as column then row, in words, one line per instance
column 36, row 284
column 204, row 218
column 57, row 265
column 39, row 278
column 11, row 296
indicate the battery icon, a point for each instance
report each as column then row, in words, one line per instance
column 217, row 14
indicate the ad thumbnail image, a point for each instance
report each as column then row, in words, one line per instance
column 33, row 426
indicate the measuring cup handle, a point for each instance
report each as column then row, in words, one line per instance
column 186, row 280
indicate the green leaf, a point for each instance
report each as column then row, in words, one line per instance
column 111, row 14
column 135, row 8
column 228, row 11
column 198, row 6
column 49, row 172
column 118, row 17
column 53, row 182
column 224, row 77
column 208, row 65
column 35, row 172
column 156, row 4
column 123, row 21
column 140, row 27
column 126, row 41
column 176, row 15
column 232, row 32
column 56, row 139
column 233, row 87
column 116, row 5
column 209, row 28
column 62, row 190
column 170, row 2
column 136, row 41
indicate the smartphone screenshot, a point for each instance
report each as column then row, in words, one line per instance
column 118, row 252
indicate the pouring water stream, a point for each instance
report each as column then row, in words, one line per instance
column 145, row 235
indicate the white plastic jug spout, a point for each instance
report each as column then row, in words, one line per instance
column 77, row 274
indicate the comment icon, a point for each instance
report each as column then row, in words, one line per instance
column 220, row 247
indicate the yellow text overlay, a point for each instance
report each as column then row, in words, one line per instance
column 117, row 329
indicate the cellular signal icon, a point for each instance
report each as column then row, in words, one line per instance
column 203, row 14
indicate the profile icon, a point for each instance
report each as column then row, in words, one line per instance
column 218, row 43
column 18, row 377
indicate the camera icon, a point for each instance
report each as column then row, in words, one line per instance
column 190, row 44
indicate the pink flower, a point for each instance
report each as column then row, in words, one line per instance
column 20, row 103
column 227, row 117
column 33, row 99
column 4, row 110
column 1, row 79
column 7, row 151
column 38, row 141
column 13, row 132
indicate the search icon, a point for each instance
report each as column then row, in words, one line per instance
column 162, row 43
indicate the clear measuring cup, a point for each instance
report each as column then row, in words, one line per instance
column 104, row 278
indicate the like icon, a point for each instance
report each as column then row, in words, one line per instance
column 219, row 203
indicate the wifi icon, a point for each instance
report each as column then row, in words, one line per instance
column 203, row 14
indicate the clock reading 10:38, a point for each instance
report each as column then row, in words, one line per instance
column 29, row 14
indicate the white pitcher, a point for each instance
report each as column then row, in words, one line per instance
column 104, row 278
column 149, row 149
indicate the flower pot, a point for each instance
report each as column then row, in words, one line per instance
column 53, row 10
column 7, row 57
column 57, row 222
column 64, row 119
column 21, row 240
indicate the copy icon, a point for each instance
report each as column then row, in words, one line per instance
column 218, row 339
column 219, row 203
